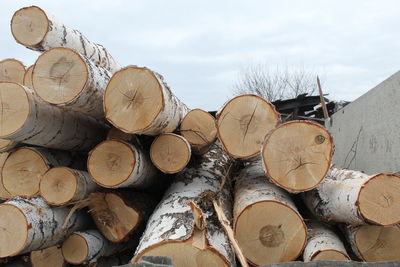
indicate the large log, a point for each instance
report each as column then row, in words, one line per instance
column 26, row 118
column 323, row 244
column 24, row 168
column 198, row 127
column 267, row 225
column 62, row 185
column 297, row 155
column 12, row 70
column 183, row 226
column 138, row 100
column 116, row 163
column 355, row 198
column 242, row 124
column 374, row 243
column 38, row 30
column 67, row 79
column 170, row 153
column 27, row 225
column 28, row 77
column 50, row 256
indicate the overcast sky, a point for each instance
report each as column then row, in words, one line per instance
column 201, row 46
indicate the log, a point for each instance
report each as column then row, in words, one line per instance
column 297, row 155
column 62, row 185
column 374, row 243
column 116, row 164
column 114, row 133
column 355, row 198
column 4, row 195
column 31, row 224
column 170, row 153
column 88, row 246
column 7, row 145
column 267, row 225
column 198, row 127
column 323, row 244
column 67, row 79
column 40, row 31
column 186, row 228
column 50, row 256
column 28, row 77
column 12, row 70
column 242, row 124
column 26, row 118
column 138, row 100
column 24, row 168
column 119, row 213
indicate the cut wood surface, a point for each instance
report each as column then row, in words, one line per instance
column 28, row 119
column 4, row 195
column 12, row 70
column 24, row 168
column 116, row 163
column 28, row 77
column 115, row 133
column 185, row 228
column 38, row 30
column 138, row 100
column 374, row 243
column 323, row 244
column 242, row 124
column 27, row 225
column 356, row 198
column 297, row 155
column 198, row 127
column 170, row 153
column 48, row 257
column 7, row 145
column 267, row 225
column 65, row 78
column 62, row 185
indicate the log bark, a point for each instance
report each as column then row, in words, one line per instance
column 28, row 77
column 138, row 100
column 4, row 195
column 323, row 244
column 186, row 228
column 374, row 243
column 242, row 124
column 50, row 256
column 297, row 155
column 170, row 153
column 28, row 225
column 40, row 31
column 70, row 80
column 117, row 164
column 12, row 70
column 355, row 198
column 198, row 127
column 267, row 225
column 24, row 168
column 62, row 185
column 26, row 118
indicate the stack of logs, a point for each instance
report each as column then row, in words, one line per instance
column 103, row 164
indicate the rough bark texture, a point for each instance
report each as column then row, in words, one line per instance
column 52, row 127
column 175, row 221
column 321, row 238
column 60, row 35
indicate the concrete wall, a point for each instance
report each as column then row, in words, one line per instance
column 366, row 132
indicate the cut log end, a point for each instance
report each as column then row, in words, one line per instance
column 170, row 153
column 13, row 230
column 28, row 77
column 133, row 99
column 243, row 124
column 330, row 255
column 29, row 26
column 75, row 249
column 12, row 70
column 22, row 172
column 115, row 219
column 58, row 186
column 59, row 75
column 51, row 256
column 297, row 155
column 111, row 162
column 15, row 106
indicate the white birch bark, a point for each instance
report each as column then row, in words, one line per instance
column 174, row 220
column 85, row 185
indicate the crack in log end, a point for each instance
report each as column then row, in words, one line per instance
column 299, row 164
column 245, row 122
column 271, row 236
column 385, row 200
